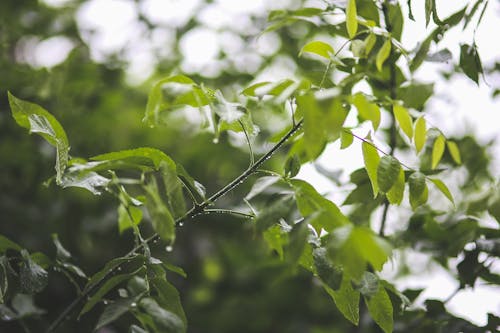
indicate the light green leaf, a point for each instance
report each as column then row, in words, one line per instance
column 319, row 48
column 367, row 110
column 388, row 171
column 128, row 218
column 309, row 201
column 252, row 89
column 106, row 287
column 38, row 120
column 395, row 194
column 404, row 120
column 145, row 159
column 371, row 158
column 346, row 139
column 454, row 152
column 351, row 18
column 383, row 54
column 420, row 134
column 346, row 299
column 443, row 188
column 418, row 189
column 438, row 150
column 164, row 320
column 380, row 308
column 314, row 132
column 32, row 277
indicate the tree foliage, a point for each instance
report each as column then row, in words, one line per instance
column 221, row 233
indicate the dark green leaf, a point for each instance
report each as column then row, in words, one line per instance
column 387, row 172
column 110, row 265
column 164, row 320
column 470, row 63
column 169, row 298
column 292, row 166
column 137, row 329
column 25, row 307
column 61, row 254
column 33, row 278
column 6, row 244
column 161, row 217
column 330, row 274
column 418, row 189
column 416, row 94
column 273, row 213
column 443, row 188
column 347, row 300
column 115, row 310
column 297, row 239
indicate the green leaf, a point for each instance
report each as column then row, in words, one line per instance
column 115, row 310
column 380, row 308
column 354, row 247
column 173, row 189
column 169, row 298
column 470, row 63
column 25, row 307
column 145, row 159
column 229, row 112
column 90, row 181
column 351, row 18
column 275, row 240
column 346, row 299
column 33, row 278
column 454, row 152
column 371, row 158
column 109, row 266
column 415, row 95
column 418, row 189
column 319, row 48
column 137, row 329
column 367, row 110
column 165, row 321
column 128, row 216
column 197, row 189
column 443, row 188
column 297, row 240
column 383, row 54
column 420, row 134
column 106, row 287
column 346, row 139
column 330, row 274
column 388, row 171
column 429, row 6
column 6, row 244
column 292, row 166
column 38, row 120
column 438, row 150
column 273, row 213
column 395, row 194
column 309, row 201
column 314, row 131
column 404, row 120
column 161, row 217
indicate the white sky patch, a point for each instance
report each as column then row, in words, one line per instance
column 52, row 51
column 173, row 13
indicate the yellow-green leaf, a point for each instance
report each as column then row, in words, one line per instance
column 420, row 134
column 367, row 110
column 319, row 48
column 370, row 43
column 346, row 139
column 395, row 194
column 454, row 151
column 404, row 120
column 443, row 188
column 372, row 160
column 383, row 54
column 437, row 150
column 351, row 18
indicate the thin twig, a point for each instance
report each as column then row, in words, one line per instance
column 195, row 211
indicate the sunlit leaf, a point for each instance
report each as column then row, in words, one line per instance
column 404, row 120
column 420, row 134
column 383, row 54
column 346, row 139
column 38, row 120
column 367, row 110
column 319, row 48
column 371, row 159
column 454, row 151
column 438, row 150
column 443, row 188
column 351, row 18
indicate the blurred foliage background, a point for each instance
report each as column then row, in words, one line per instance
column 99, row 92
